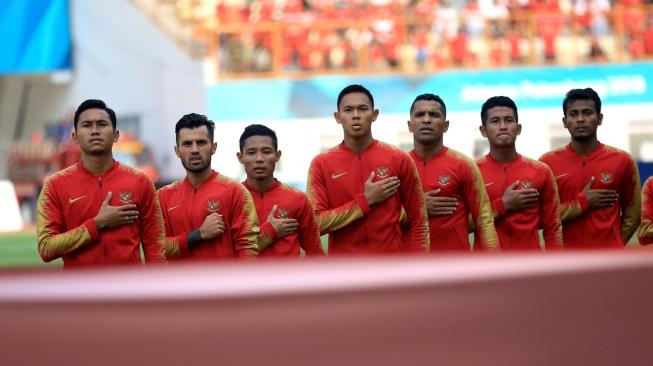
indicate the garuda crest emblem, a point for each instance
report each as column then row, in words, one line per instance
column 382, row 172
column 606, row 177
column 444, row 180
column 283, row 213
column 125, row 197
column 213, row 206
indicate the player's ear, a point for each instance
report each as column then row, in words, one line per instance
column 410, row 126
column 214, row 147
column 74, row 136
column 375, row 112
column 177, row 151
column 336, row 115
column 239, row 156
column 518, row 128
column 564, row 122
column 483, row 131
column 277, row 155
column 116, row 135
column 446, row 126
column 600, row 118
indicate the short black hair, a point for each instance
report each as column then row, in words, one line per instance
column 497, row 101
column 354, row 88
column 257, row 130
column 194, row 120
column 429, row 97
column 94, row 104
column 581, row 94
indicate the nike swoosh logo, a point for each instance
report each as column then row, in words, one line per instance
column 561, row 175
column 173, row 207
column 489, row 184
column 73, row 200
column 336, row 176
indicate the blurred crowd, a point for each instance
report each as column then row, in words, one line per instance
column 323, row 35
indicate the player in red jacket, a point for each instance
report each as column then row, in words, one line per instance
column 207, row 216
column 98, row 211
column 359, row 186
column 452, row 183
column 645, row 229
column 599, row 185
column 523, row 191
column 286, row 216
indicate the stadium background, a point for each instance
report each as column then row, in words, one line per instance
column 282, row 63
column 154, row 60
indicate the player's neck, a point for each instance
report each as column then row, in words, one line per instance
column 263, row 185
column 98, row 164
column 197, row 178
column 584, row 147
column 503, row 154
column 426, row 151
column 358, row 145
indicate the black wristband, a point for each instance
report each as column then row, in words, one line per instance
column 194, row 238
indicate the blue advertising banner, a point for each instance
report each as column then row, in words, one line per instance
column 462, row 90
column 34, row 36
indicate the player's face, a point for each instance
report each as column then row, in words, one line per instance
column 259, row 157
column 501, row 128
column 356, row 114
column 582, row 120
column 94, row 133
column 194, row 148
column 427, row 122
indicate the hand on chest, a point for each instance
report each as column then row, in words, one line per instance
column 580, row 179
column 185, row 208
column 446, row 181
column 497, row 187
column 351, row 176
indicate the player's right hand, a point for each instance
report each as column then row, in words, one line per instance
column 112, row 216
column 518, row 199
column 282, row 227
column 212, row 227
column 377, row 192
column 599, row 198
column 440, row 205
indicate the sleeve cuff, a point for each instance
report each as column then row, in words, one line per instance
column 582, row 200
column 268, row 230
column 498, row 206
column 362, row 203
column 182, row 241
column 644, row 241
column 92, row 229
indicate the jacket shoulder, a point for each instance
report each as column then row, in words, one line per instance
column 292, row 190
column 170, row 187
column 553, row 153
column 534, row 163
column 391, row 148
column 460, row 157
column 62, row 174
column 135, row 173
column 618, row 152
column 328, row 152
column 482, row 160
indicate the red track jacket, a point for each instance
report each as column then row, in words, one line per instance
column 520, row 229
column 70, row 200
column 335, row 187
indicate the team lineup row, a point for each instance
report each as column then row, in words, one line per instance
column 369, row 196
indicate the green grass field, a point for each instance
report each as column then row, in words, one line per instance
column 19, row 250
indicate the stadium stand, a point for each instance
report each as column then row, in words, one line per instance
column 294, row 37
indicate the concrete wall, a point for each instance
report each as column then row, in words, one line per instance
column 122, row 58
